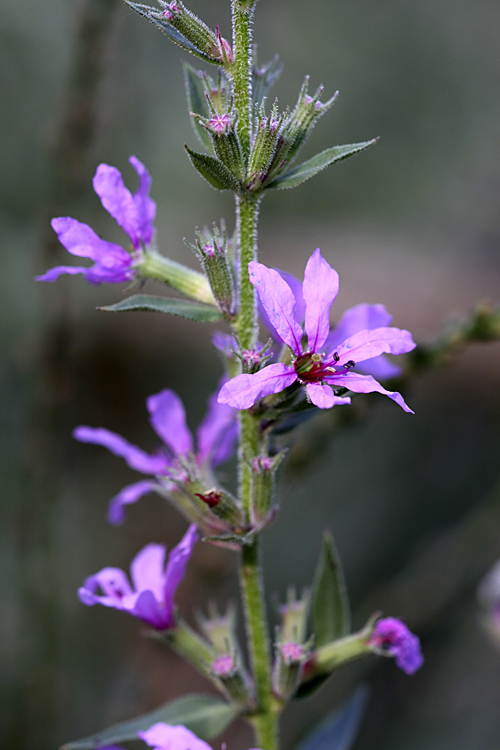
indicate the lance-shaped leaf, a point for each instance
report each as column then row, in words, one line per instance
column 215, row 172
column 204, row 715
column 313, row 166
column 197, row 103
column 150, row 303
column 153, row 15
column 330, row 615
column 338, row 731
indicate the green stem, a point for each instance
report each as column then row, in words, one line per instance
column 241, row 73
column 264, row 720
column 247, row 214
column 191, row 283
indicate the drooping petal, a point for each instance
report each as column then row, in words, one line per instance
column 392, row 636
column 176, row 567
column 320, row 288
column 381, row 368
column 244, row 390
column 172, row 737
column 114, row 584
column 53, row 273
column 217, row 434
column 147, row 609
column 111, row 272
column 168, row 419
column 357, row 318
column 323, row 397
column 146, row 207
column 118, row 201
column 128, row 495
column 278, row 302
column 296, row 287
column 366, row 384
column 81, row 240
column 370, row 343
column 135, row 457
column 147, row 570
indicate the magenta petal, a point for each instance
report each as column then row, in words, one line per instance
column 114, row 584
column 278, row 302
column 323, row 397
column 381, row 368
column 217, row 433
column 320, row 288
column 244, row 390
column 370, row 343
column 81, row 240
column 146, row 207
column 146, row 570
column 118, row 201
column 176, row 566
column 128, row 495
column 172, row 737
column 146, row 608
column 358, row 318
column 53, row 273
column 168, row 419
column 135, row 457
column 366, row 384
column 296, row 287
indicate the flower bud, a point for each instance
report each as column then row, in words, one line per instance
column 233, row 678
column 220, row 629
column 222, row 505
column 196, row 31
column 267, row 135
column 287, row 668
column 211, row 249
column 221, row 128
column 264, row 469
column 294, row 616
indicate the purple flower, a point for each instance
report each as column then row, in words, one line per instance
column 393, row 637
column 216, row 436
column 167, row 737
column 134, row 213
column 318, row 371
column 151, row 596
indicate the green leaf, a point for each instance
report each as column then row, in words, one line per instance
column 214, row 171
column 197, row 103
column 153, row 15
column 204, row 715
column 311, row 167
column 330, row 613
column 339, row 730
column 150, row 303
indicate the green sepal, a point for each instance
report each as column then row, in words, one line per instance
column 214, row 171
column 313, row 166
column 204, row 715
column 197, row 102
column 150, row 303
column 152, row 14
column 330, row 612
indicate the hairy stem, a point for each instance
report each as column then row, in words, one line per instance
column 242, row 13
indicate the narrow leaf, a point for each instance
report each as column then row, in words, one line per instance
column 330, row 606
column 339, row 730
column 153, row 15
column 150, row 303
column 214, row 171
column 197, row 103
column 313, row 166
column 204, row 715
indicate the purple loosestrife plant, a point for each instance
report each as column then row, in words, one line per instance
column 248, row 151
column 151, row 596
column 326, row 362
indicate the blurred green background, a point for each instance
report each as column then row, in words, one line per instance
column 413, row 501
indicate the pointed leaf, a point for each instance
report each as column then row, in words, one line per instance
column 150, row 303
column 214, row 171
column 204, row 715
column 330, row 606
column 197, row 103
column 153, row 15
column 311, row 167
column 339, row 730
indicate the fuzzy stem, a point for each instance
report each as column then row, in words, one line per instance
column 242, row 13
column 264, row 720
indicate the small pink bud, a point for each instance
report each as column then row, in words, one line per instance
column 263, row 463
column 223, row 666
column 292, row 652
column 220, row 124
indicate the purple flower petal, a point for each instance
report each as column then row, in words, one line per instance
column 217, row 433
column 381, row 368
column 81, row 240
column 176, row 566
column 128, row 495
column 278, row 302
column 172, row 737
column 244, row 390
column 296, row 287
column 147, row 609
column 392, row 636
column 320, row 288
column 53, row 273
column 224, row 343
column 146, row 207
column 323, row 397
column 146, row 570
column 358, row 318
column 168, row 419
column 370, row 343
column 366, row 384
column 114, row 584
column 118, row 201
column 135, row 457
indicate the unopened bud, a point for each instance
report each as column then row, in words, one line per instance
column 212, row 252
column 287, row 669
column 294, row 616
column 264, row 470
column 193, row 29
column 234, row 680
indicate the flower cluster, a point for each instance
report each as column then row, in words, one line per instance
column 326, row 363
